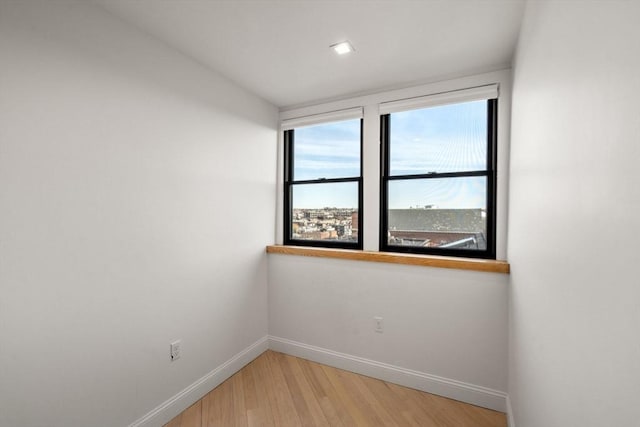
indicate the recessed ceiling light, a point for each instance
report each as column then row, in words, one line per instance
column 342, row 47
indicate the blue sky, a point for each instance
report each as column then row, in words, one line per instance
column 329, row 150
column 448, row 138
column 440, row 139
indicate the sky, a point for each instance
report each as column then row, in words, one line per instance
column 439, row 139
column 329, row 150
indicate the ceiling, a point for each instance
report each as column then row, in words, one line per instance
column 279, row 49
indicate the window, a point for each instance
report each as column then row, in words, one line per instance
column 323, row 182
column 438, row 186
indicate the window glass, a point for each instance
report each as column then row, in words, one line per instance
column 325, row 211
column 448, row 138
column 447, row 212
column 330, row 150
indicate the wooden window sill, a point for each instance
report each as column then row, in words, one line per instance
column 486, row 265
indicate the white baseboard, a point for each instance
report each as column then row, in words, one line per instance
column 187, row 397
column 510, row 421
column 458, row 390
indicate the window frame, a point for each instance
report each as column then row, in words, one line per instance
column 290, row 182
column 490, row 173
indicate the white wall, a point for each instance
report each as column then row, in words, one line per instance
column 442, row 322
column 137, row 192
column 574, row 203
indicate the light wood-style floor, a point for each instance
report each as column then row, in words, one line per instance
column 284, row 391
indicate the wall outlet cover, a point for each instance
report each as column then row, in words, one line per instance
column 175, row 350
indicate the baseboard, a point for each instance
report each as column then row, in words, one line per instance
column 510, row 421
column 187, row 397
column 458, row 390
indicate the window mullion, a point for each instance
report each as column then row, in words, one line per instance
column 440, row 175
column 327, row 180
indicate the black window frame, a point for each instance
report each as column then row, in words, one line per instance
column 490, row 173
column 289, row 183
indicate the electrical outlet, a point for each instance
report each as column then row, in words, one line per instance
column 175, row 350
column 379, row 325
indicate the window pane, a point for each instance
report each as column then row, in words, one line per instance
column 325, row 212
column 448, row 138
column 329, row 150
column 443, row 212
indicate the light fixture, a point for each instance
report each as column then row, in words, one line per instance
column 342, row 47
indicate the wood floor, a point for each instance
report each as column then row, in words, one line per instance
column 282, row 391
